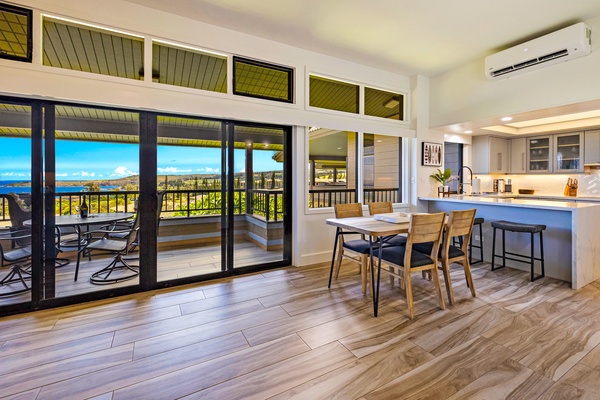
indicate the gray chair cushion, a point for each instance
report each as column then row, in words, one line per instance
column 397, row 240
column 426, row 248
column 478, row 221
column 518, row 227
column 395, row 254
column 358, row 245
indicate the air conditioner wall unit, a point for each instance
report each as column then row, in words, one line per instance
column 563, row 45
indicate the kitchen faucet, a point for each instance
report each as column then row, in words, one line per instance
column 461, row 179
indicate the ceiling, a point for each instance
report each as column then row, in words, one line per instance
column 410, row 37
column 425, row 37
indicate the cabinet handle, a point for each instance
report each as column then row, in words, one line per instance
column 523, row 161
column 499, row 161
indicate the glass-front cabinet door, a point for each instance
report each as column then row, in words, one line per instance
column 539, row 152
column 568, row 154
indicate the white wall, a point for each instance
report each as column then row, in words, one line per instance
column 313, row 240
column 464, row 94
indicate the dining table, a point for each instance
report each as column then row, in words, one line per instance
column 78, row 222
column 378, row 232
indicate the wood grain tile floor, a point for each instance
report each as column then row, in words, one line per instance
column 283, row 334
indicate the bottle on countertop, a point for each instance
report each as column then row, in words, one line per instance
column 83, row 208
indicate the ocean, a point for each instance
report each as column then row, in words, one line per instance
column 6, row 188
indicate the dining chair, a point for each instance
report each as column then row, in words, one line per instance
column 356, row 250
column 385, row 207
column 459, row 225
column 401, row 261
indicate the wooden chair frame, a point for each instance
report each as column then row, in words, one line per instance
column 423, row 228
column 460, row 224
column 352, row 210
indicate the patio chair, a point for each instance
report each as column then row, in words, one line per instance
column 119, row 268
column 19, row 260
column 18, row 215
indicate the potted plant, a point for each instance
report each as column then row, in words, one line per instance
column 443, row 178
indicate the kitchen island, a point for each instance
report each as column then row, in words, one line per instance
column 571, row 245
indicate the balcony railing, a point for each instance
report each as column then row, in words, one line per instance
column 319, row 198
column 176, row 203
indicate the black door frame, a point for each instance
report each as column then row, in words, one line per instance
column 43, row 162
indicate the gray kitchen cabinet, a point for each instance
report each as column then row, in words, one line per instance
column 568, row 152
column 490, row 155
column 518, row 156
column 539, row 154
column 592, row 147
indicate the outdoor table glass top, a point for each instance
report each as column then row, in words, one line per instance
column 76, row 220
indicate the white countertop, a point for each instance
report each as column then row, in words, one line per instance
column 521, row 202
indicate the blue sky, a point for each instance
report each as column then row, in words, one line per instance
column 96, row 160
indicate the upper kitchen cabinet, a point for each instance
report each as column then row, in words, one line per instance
column 518, row 156
column 592, row 147
column 539, row 152
column 490, row 155
column 568, row 153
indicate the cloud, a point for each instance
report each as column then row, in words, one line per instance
column 243, row 170
column 60, row 175
column 173, row 170
column 84, row 174
column 208, row 170
column 122, row 171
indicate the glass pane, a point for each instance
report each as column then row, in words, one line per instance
column 15, row 199
column 568, row 153
column 333, row 95
column 82, row 48
column 332, row 167
column 15, row 33
column 381, row 168
column 379, row 103
column 187, row 68
column 189, row 170
column 539, row 154
column 258, row 79
column 258, row 189
column 97, row 167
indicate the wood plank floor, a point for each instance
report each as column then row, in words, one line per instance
column 283, row 334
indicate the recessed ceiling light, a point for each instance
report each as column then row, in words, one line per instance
column 379, row 141
column 468, row 131
column 339, row 148
column 506, row 119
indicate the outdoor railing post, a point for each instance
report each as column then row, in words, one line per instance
column 268, row 205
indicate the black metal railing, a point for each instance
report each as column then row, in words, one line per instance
column 176, row 203
column 319, row 198
column 267, row 203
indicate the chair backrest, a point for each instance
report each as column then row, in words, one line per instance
column 348, row 210
column 382, row 207
column 18, row 214
column 159, row 206
column 426, row 228
column 460, row 223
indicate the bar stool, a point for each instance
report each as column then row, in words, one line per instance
column 457, row 241
column 519, row 227
column 477, row 222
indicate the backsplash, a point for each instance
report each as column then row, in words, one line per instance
column 546, row 184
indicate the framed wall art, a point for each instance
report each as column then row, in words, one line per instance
column 431, row 154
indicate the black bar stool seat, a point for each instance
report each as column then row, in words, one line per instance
column 528, row 259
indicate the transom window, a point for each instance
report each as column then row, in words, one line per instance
column 266, row 81
column 15, row 33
